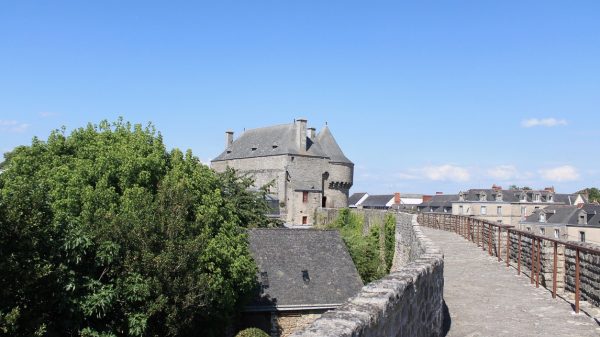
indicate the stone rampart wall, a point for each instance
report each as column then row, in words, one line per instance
column 407, row 302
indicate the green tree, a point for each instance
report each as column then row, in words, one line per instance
column 105, row 233
column 371, row 252
column 593, row 194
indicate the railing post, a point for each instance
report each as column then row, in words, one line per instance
column 507, row 247
column 577, row 294
column 554, row 269
column 490, row 232
column 532, row 260
column 499, row 243
column 519, row 258
column 539, row 265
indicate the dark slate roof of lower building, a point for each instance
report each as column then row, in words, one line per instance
column 302, row 268
column 355, row 197
column 440, row 200
column 377, row 200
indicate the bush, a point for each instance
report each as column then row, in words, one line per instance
column 104, row 232
column 252, row 332
column 372, row 252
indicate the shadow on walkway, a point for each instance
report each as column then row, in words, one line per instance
column 447, row 320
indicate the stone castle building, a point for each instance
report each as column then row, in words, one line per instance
column 307, row 170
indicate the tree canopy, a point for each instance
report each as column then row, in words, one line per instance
column 103, row 232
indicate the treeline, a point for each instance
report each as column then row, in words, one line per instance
column 372, row 249
column 103, row 232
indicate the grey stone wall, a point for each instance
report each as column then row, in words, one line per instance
column 407, row 302
column 589, row 274
column 291, row 175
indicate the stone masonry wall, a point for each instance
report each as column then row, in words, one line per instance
column 589, row 274
column 407, row 302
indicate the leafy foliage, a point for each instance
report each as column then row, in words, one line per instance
column 252, row 332
column 105, row 233
column 372, row 249
column 593, row 194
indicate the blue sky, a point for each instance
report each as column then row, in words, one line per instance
column 423, row 97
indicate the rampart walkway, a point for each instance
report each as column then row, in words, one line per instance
column 485, row 298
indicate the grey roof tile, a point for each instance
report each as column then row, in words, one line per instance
column 355, row 197
column 283, row 254
column 377, row 200
column 330, row 147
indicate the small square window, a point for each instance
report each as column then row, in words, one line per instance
column 304, row 220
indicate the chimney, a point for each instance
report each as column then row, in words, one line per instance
column 439, row 193
column 228, row 138
column 549, row 189
column 427, row 198
column 312, row 133
column 397, row 198
column 301, row 133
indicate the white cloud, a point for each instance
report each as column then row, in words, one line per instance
column 547, row 122
column 446, row 172
column 12, row 126
column 561, row 173
column 503, row 172
column 406, row 176
column 47, row 114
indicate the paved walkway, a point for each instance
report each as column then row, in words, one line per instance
column 484, row 298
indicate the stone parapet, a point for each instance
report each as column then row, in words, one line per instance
column 407, row 302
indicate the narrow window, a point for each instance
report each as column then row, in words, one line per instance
column 499, row 210
column 264, row 280
column 460, row 209
column 523, row 210
column 483, row 210
column 557, row 233
column 305, row 276
column 305, row 197
column 543, row 231
column 304, row 220
column 582, row 236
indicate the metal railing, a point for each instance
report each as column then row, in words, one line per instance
column 489, row 236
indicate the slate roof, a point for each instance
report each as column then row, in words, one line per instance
column 510, row 196
column 355, row 197
column 567, row 215
column 283, row 254
column 377, row 200
column 281, row 140
column 330, row 146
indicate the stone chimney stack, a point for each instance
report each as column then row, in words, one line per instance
column 397, row 198
column 301, row 133
column 312, row 133
column 228, row 138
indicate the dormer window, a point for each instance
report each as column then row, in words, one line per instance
column 523, row 197
column 582, row 219
column 542, row 217
column 461, row 196
column 482, row 197
column 498, row 196
column 536, row 197
column 550, row 198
